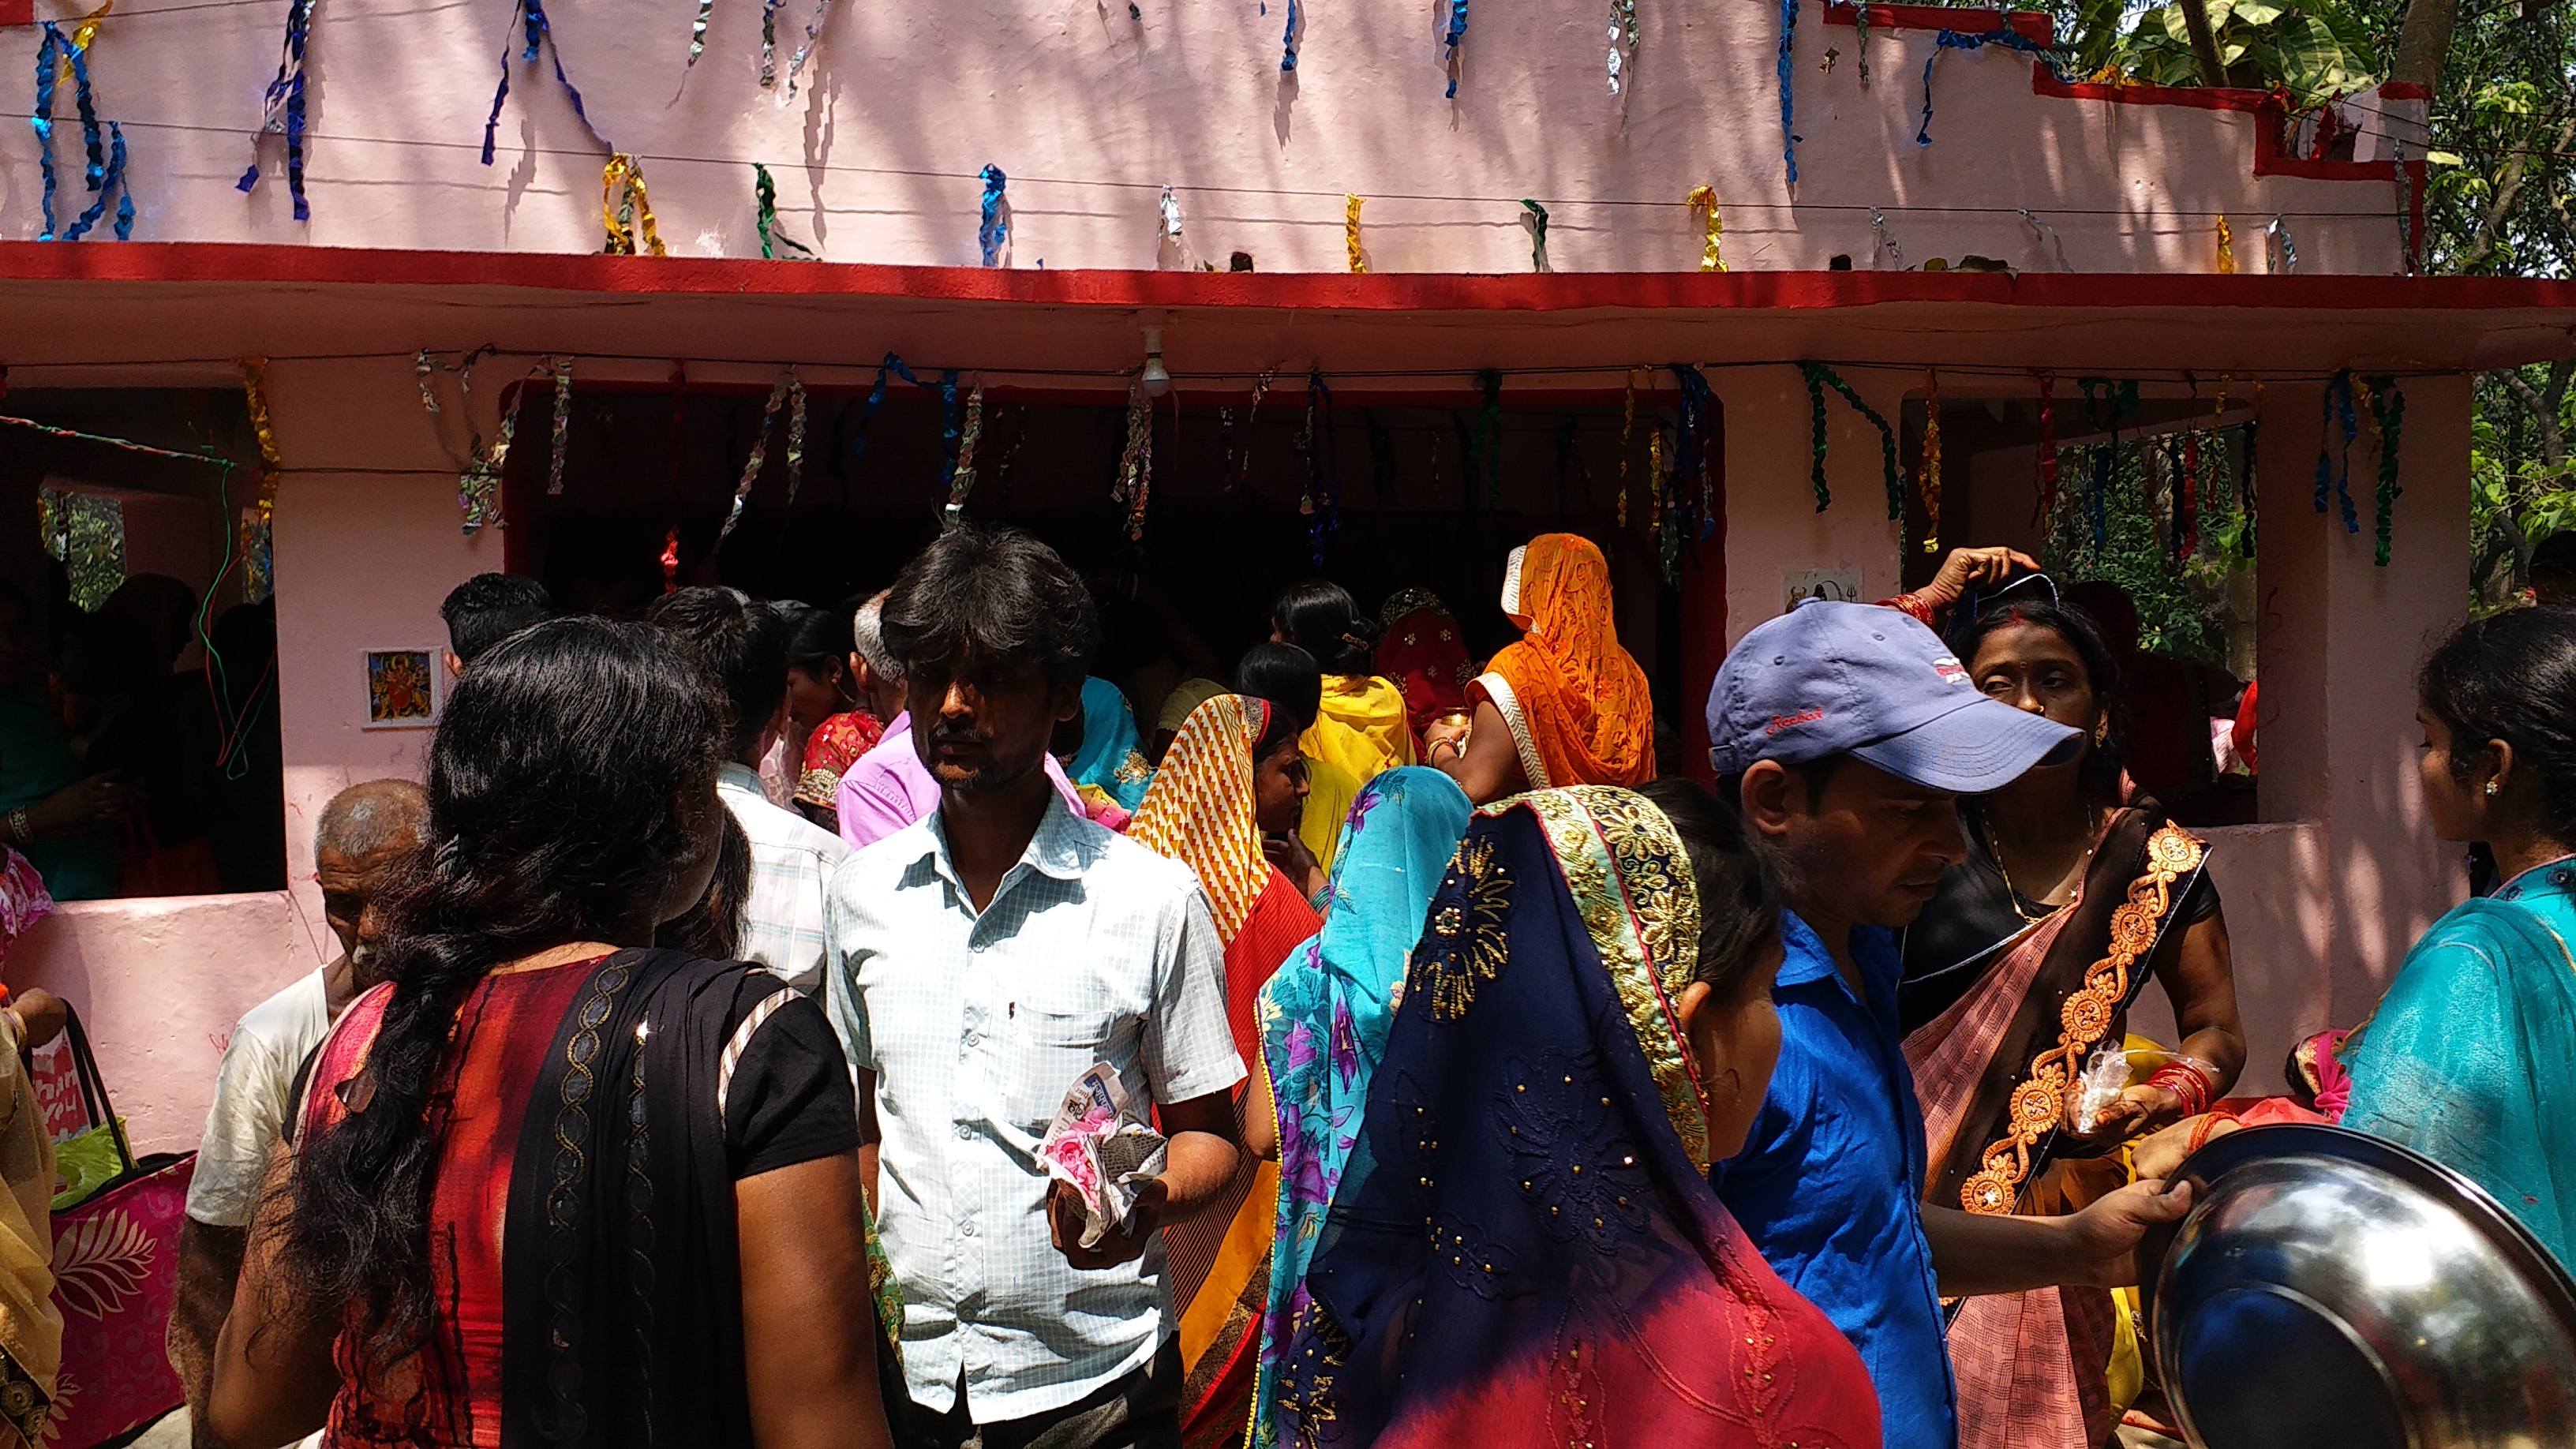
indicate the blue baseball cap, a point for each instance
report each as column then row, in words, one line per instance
column 1831, row 678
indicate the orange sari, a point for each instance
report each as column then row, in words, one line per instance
column 1200, row 812
column 1578, row 707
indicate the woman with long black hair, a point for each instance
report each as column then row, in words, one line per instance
column 551, row 1185
column 1361, row 725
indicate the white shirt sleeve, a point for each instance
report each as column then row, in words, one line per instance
column 246, row 1120
column 1188, row 1050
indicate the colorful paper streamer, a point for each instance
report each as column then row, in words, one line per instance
column 1288, row 40
column 765, row 192
column 759, row 453
column 2388, row 412
column 1457, row 33
column 2338, row 412
column 1788, row 102
column 2041, row 515
column 2049, row 235
column 1860, row 45
column 1537, row 219
column 698, row 36
column 1623, row 39
column 796, row 433
column 625, row 210
column 1351, row 205
column 962, row 481
column 1167, row 226
column 1627, row 430
column 1884, row 239
column 1322, row 501
column 2280, row 254
column 993, row 228
column 1692, row 512
column 1819, row 377
column 1136, row 464
column 537, row 29
column 254, row 527
column 768, row 43
column 561, row 367
column 1485, row 444
column 2226, row 247
column 282, row 107
column 1703, row 202
column 105, row 172
column 1929, row 480
column 813, row 29
column 2004, row 36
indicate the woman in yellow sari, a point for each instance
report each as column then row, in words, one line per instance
column 1232, row 775
column 1565, row 705
column 1360, row 725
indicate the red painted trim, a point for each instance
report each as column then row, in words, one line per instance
column 271, row 268
column 2207, row 98
column 17, row 12
column 2031, row 23
column 2404, row 91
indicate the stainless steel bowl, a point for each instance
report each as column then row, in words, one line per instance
column 2331, row 1288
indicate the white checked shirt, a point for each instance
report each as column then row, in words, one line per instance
column 792, row 860
column 1094, row 949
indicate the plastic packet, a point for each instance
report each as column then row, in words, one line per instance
column 1101, row 1145
column 2099, row 1085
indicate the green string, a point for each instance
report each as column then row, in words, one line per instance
column 2388, row 409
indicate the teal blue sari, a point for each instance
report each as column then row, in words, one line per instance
column 1112, row 757
column 2471, row 1057
column 1325, row 1015
column 35, row 761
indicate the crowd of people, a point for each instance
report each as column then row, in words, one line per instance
column 699, row 1018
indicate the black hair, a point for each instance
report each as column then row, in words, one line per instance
column 1278, row 731
column 713, row 927
column 1740, row 895
column 558, row 784
column 488, row 608
column 2512, row 677
column 999, row 598
column 2076, row 625
column 2555, row 557
column 1814, row 774
column 1285, row 675
column 819, row 640
column 743, row 644
column 1318, row 616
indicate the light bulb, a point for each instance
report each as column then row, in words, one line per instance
column 1154, row 379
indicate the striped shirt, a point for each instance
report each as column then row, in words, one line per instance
column 792, row 860
column 1093, row 950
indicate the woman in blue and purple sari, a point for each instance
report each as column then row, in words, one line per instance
column 1533, row 1254
column 1324, row 1019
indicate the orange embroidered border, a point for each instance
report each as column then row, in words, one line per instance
column 2039, row 1103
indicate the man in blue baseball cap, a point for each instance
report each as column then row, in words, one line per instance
column 1848, row 732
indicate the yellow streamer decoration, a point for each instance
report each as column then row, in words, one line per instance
column 1655, row 474
column 625, row 209
column 2226, row 247
column 1930, row 480
column 1351, row 230
column 254, row 371
column 85, row 32
column 1704, row 199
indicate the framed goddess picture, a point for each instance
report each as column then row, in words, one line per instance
column 402, row 688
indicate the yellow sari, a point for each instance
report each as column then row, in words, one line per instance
column 1361, row 727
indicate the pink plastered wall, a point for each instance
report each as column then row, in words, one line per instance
column 1091, row 112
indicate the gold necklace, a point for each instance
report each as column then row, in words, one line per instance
column 2012, row 893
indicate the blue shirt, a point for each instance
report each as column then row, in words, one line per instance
column 1830, row 1182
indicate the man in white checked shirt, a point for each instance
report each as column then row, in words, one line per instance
column 985, row 957
column 744, row 645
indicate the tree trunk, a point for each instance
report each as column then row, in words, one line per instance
column 2204, row 43
column 2423, row 41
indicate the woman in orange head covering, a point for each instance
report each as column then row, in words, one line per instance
column 1565, row 705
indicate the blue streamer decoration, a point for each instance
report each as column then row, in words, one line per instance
column 1694, row 455
column 1457, row 33
column 532, row 15
column 946, row 387
column 283, row 107
column 995, row 229
column 1288, row 41
column 1788, row 106
column 105, row 147
column 1976, row 40
column 2338, row 410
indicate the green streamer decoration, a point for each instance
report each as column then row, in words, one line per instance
column 2388, row 409
column 771, row 238
column 1538, row 234
column 1488, row 442
column 1820, row 377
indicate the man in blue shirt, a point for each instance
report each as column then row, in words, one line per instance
column 1848, row 732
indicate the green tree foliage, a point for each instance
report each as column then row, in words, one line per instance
column 2314, row 49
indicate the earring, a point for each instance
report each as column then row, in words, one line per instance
column 2490, row 789
column 2102, row 730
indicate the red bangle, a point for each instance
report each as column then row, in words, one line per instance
column 2208, row 1124
column 2187, row 1082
